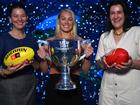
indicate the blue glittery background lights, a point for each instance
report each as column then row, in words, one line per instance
column 91, row 22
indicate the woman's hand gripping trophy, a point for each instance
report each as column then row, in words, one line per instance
column 87, row 48
column 44, row 50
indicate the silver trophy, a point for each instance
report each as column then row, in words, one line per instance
column 65, row 56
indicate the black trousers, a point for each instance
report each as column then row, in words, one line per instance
column 60, row 97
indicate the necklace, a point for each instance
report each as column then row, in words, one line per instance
column 118, row 34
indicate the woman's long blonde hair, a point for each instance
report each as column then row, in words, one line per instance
column 74, row 29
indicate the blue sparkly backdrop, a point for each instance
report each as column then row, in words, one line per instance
column 91, row 22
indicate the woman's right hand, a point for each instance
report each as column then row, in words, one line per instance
column 109, row 66
column 12, row 69
column 42, row 51
column 103, row 64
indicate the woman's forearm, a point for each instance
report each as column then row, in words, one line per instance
column 86, row 64
column 135, row 64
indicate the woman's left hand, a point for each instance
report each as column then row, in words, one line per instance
column 88, row 50
column 124, row 66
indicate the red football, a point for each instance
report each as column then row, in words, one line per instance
column 118, row 56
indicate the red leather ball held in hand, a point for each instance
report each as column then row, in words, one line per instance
column 118, row 56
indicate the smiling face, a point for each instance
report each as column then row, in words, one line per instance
column 18, row 18
column 117, row 16
column 66, row 22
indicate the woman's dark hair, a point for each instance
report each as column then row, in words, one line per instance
column 126, row 24
column 17, row 5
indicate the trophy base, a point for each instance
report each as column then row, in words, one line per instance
column 67, row 86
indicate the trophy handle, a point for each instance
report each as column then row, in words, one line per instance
column 82, row 57
column 42, row 42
